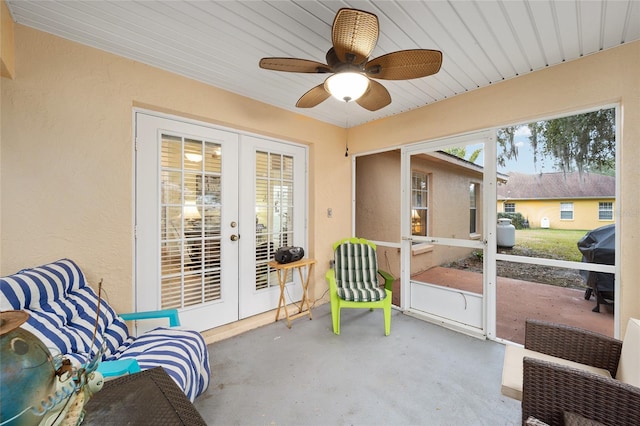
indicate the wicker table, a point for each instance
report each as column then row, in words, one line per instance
column 150, row 397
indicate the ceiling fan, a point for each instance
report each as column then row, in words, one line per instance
column 354, row 34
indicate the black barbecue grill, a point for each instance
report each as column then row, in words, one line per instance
column 599, row 246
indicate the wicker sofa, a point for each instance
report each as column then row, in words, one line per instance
column 552, row 391
column 62, row 314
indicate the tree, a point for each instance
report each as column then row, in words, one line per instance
column 584, row 142
column 507, row 148
column 461, row 152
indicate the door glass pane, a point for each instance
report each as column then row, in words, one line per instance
column 447, row 253
column 212, row 158
column 190, row 221
column 445, row 204
column 193, row 154
column 274, row 209
column 171, row 152
column 448, row 179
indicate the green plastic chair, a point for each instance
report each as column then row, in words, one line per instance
column 353, row 281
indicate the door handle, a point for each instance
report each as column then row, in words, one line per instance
column 234, row 237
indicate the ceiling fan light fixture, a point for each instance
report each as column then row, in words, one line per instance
column 347, row 86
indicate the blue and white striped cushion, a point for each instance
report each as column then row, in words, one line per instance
column 168, row 347
column 62, row 313
column 356, row 270
column 62, row 310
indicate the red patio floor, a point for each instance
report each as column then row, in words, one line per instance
column 518, row 300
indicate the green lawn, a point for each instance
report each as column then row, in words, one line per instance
column 549, row 243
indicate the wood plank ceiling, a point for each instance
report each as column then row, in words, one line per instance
column 220, row 42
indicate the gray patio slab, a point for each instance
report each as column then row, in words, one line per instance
column 421, row 374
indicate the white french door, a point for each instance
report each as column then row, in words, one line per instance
column 272, row 188
column 211, row 206
column 186, row 204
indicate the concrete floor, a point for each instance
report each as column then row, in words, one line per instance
column 421, row 374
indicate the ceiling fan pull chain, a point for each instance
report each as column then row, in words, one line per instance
column 346, row 143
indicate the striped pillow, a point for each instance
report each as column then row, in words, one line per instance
column 62, row 310
column 356, row 270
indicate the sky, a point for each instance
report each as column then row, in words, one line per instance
column 524, row 163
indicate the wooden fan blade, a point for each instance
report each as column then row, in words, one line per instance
column 405, row 64
column 354, row 35
column 293, row 65
column 313, row 97
column 376, row 97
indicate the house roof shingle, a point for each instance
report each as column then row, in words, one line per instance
column 557, row 185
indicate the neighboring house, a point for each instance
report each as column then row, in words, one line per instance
column 560, row 200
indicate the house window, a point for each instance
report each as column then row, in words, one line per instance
column 566, row 211
column 473, row 208
column 419, row 203
column 509, row 207
column 605, row 211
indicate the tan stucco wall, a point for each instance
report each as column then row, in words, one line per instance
column 67, row 157
column 378, row 196
column 607, row 77
column 6, row 71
